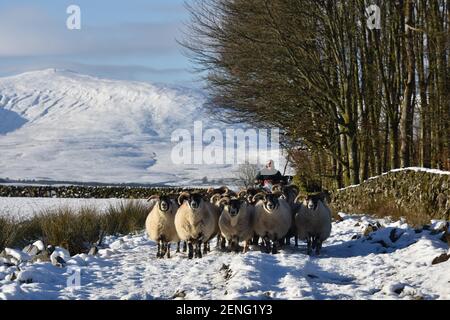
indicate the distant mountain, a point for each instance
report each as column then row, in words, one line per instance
column 60, row 125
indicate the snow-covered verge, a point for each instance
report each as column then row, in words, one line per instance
column 22, row 208
column 415, row 169
column 393, row 262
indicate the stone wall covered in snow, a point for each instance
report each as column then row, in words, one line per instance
column 414, row 191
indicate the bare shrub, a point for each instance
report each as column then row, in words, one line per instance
column 246, row 174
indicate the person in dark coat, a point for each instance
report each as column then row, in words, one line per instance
column 268, row 176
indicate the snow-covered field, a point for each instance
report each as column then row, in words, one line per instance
column 22, row 208
column 370, row 267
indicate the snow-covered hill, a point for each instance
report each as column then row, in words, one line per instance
column 60, row 125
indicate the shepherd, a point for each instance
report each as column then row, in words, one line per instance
column 268, row 176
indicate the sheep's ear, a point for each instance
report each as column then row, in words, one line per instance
column 153, row 197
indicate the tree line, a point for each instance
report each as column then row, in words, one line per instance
column 352, row 100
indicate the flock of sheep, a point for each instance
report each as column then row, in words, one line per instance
column 237, row 220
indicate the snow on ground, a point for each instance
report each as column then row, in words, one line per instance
column 22, row 208
column 371, row 267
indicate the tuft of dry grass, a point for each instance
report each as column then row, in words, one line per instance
column 75, row 230
column 124, row 218
column 8, row 230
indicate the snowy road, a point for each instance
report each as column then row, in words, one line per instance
column 365, row 268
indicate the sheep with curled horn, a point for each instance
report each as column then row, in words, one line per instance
column 195, row 221
column 313, row 222
column 215, row 201
column 160, row 224
column 223, row 191
column 248, row 195
column 273, row 219
column 289, row 193
column 236, row 222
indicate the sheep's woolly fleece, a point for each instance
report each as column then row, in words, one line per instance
column 370, row 267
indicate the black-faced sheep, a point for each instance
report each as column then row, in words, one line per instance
column 273, row 219
column 160, row 224
column 195, row 221
column 289, row 193
column 313, row 222
column 236, row 222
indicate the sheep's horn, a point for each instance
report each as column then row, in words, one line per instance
column 224, row 200
column 242, row 193
column 183, row 195
column 155, row 196
column 276, row 187
column 259, row 195
column 224, row 189
column 277, row 193
column 215, row 197
column 298, row 197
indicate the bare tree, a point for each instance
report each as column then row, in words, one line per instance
column 246, row 174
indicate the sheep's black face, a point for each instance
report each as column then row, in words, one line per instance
column 234, row 206
column 311, row 202
column 164, row 204
column 271, row 202
column 195, row 201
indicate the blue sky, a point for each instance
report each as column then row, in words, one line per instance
column 121, row 39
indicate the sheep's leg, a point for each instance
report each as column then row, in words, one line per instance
column 318, row 247
column 296, row 241
column 168, row 250
column 191, row 250
column 274, row 247
column 219, row 241
column 158, row 253
column 164, row 248
column 205, row 248
column 245, row 249
column 178, row 247
column 184, row 246
column 223, row 244
column 196, row 250
column 255, row 239
column 314, row 242
column 238, row 248
column 230, row 245
column 308, row 246
column 275, row 243
column 266, row 244
column 288, row 240
column 199, row 249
